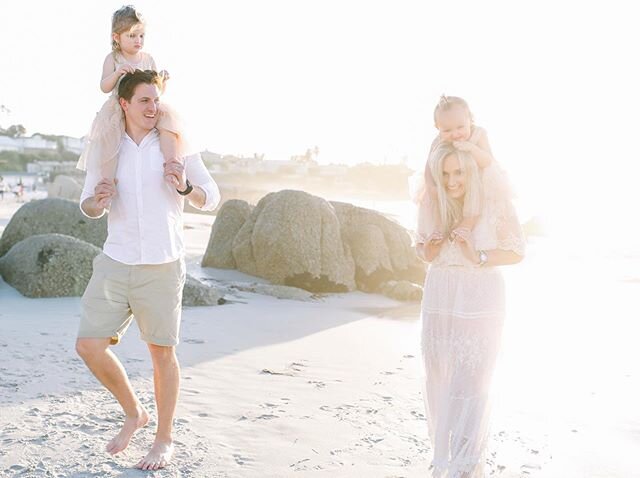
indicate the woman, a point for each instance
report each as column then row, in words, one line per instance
column 463, row 307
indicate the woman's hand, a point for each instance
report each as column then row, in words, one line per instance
column 431, row 247
column 463, row 237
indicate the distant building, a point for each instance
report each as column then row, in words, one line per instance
column 9, row 144
column 56, row 167
column 39, row 143
column 74, row 145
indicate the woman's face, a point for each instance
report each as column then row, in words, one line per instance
column 453, row 177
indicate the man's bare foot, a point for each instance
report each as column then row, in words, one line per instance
column 129, row 427
column 158, row 457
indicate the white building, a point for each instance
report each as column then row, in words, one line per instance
column 9, row 144
column 39, row 167
column 37, row 143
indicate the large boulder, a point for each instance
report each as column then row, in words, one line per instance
column 381, row 248
column 64, row 187
column 401, row 290
column 59, row 216
column 230, row 218
column 293, row 238
column 198, row 293
column 49, row 265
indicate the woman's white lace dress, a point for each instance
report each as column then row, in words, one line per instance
column 462, row 317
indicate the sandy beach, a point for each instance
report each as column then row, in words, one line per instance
column 329, row 387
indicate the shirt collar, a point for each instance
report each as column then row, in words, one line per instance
column 148, row 137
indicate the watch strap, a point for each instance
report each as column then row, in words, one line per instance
column 186, row 191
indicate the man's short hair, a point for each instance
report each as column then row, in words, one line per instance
column 130, row 81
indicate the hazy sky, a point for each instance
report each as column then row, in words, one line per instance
column 554, row 83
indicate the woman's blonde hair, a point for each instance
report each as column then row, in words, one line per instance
column 123, row 20
column 447, row 103
column 452, row 210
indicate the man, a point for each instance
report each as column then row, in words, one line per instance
column 141, row 272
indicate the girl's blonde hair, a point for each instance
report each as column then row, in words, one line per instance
column 123, row 20
column 447, row 103
column 452, row 210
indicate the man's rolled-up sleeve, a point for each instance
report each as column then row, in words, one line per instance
column 199, row 176
column 89, row 188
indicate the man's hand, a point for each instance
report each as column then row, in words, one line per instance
column 104, row 192
column 174, row 173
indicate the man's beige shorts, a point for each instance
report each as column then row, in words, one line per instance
column 117, row 292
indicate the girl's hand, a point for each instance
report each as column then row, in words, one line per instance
column 174, row 173
column 460, row 234
column 463, row 145
column 164, row 74
column 124, row 69
column 436, row 238
column 104, row 192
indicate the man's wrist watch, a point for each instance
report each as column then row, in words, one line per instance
column 186, row 191
column 483, row 258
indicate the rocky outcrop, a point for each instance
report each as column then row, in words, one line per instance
column 64, row 187
column 381, row 248
column 296, row 239
column 293, row 238
column 46, row 216
column 197, row 293
column 232, row 215
column 401, row 290
column 49, row 265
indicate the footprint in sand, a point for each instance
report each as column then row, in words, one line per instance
column 267, row 416
column 241, row 460
column 194, row 341
column 418, row 415
column 191, row 391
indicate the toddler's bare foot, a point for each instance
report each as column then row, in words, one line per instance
column 129, row 427
column 158, row 457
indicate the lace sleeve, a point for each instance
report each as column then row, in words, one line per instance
column 495, row 183
column 425, row 224
column 509, row 235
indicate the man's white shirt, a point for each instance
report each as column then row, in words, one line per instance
column 145, row 224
